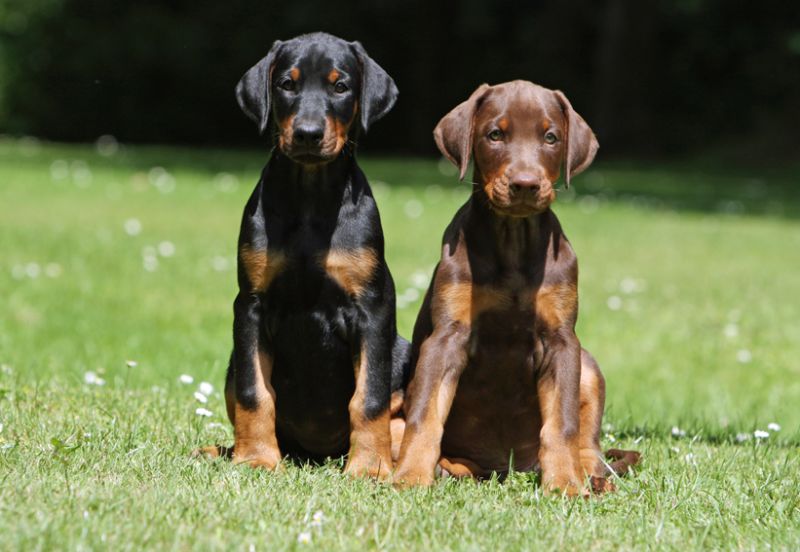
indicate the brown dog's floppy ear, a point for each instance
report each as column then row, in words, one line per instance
column 378, row 91
column 453, row 134
column 581, row 142
column 254, row 89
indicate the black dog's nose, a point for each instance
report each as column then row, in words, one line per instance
column 308, row 134
column 525, row 181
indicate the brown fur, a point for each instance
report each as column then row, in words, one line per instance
column 351, row 269
column 261, row 268
column 500, row 379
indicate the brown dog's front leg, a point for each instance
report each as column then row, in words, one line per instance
column 429, row 397
column 559, row 400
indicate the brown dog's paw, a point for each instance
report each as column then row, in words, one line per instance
column 602, row 485
column 408, row 478
column 214, row 451
column 261, row 462
column 564, row 484
column 623, row 460
column 369, row 465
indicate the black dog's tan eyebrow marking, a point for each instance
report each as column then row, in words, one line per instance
column 294, row 73
column 333, row 76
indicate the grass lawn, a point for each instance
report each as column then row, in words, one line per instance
column 690, row 300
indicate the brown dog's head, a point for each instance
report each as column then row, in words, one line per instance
column 520, row 134
column 312, row 87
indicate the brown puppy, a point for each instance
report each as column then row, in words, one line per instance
column 500, row 378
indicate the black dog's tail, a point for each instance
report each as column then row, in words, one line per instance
column 401, row 363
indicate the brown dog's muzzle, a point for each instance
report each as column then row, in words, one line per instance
column 520, row 193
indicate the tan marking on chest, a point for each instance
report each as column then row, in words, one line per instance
column 352, row 269
column 557, row 304
column 261, row 267
column 463, row 302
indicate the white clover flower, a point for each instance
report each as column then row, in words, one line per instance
column 678, row 432
column 200, row 397
column 131, row 363
column 614, row 303
column 53, row 270
column 629, row 285
column 317, row 519
column 772, row 426
column 411, row 295
column 206, row 388
column 220, row 263
column 304, row 538
column 413, row 208
column 203, row 412
column 166, row 248
column 186, row 379
column 742, row 437
column 744, row 356
column 150, row 263
column 731, row 330
column 760, row 434
column 91, row 378
column 132, row 226
column 214, row 425
column 420, row 279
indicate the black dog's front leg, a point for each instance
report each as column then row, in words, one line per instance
column 251, row 404
column 370, row 437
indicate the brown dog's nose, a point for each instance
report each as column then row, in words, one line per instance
column 525, row 181
column 308, row 134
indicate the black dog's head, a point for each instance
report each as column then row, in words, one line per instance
column 313, row 86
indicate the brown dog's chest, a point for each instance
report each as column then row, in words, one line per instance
column 495, row 412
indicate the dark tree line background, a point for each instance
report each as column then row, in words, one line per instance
column 652, row 77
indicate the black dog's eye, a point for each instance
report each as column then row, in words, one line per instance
column 287, row 84
column 496, row 135
column 340, row 87
column 550, row 137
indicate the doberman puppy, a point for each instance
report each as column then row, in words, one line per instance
column 499, row 376
column 316, row 354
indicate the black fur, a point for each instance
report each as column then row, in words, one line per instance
column 313, row 329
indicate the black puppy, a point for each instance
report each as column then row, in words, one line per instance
column 316, row 353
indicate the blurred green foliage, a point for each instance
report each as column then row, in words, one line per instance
column 651, row 77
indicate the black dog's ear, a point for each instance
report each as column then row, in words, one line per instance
column 581, row 142
column 378, row 91
column 453, row 134
column 254, row 89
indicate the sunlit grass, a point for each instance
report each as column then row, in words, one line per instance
column 117, row 274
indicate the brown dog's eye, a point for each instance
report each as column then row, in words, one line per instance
column 287, row 84
column 550, row 138
column 340, row 87
column 496, row 135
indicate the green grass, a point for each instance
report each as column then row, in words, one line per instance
column 700, row 265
